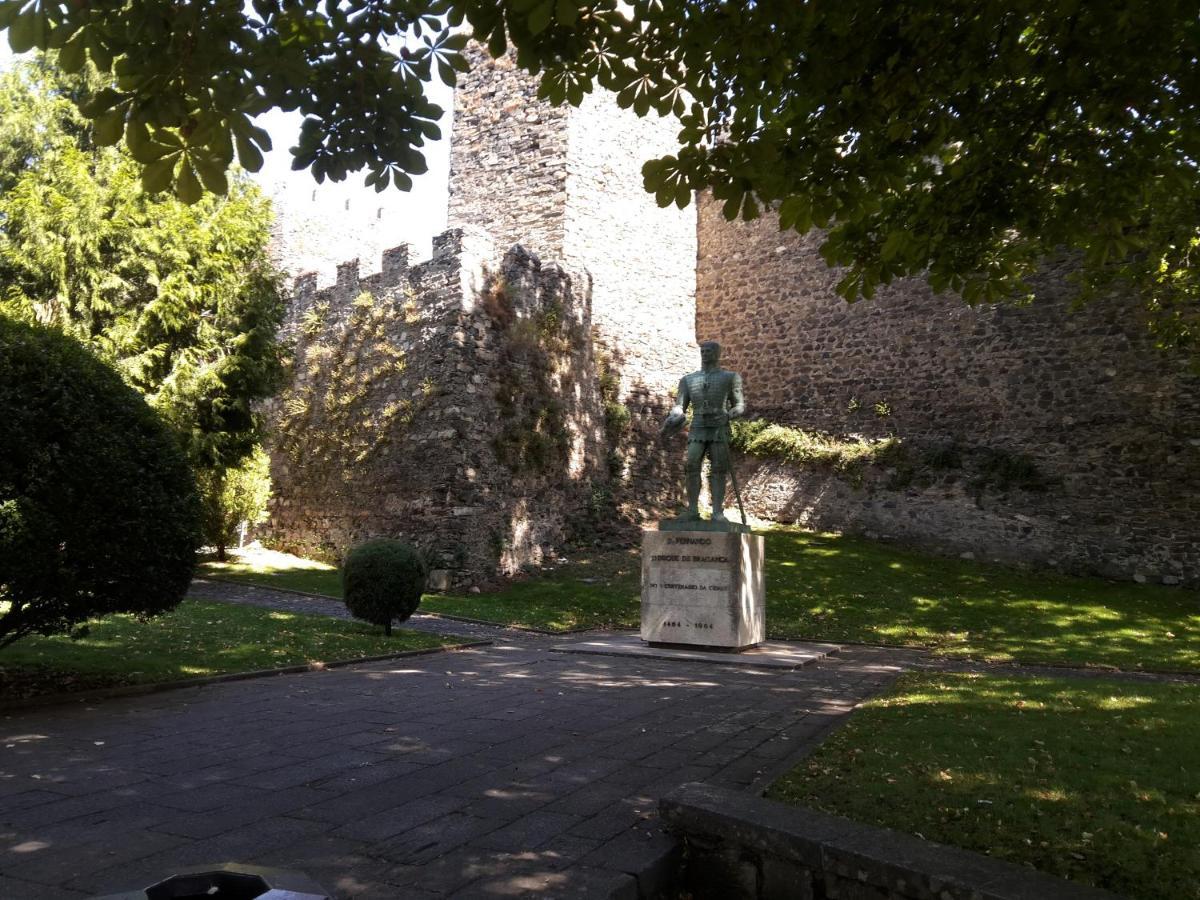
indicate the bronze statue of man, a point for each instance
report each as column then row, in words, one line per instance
column 715, row 396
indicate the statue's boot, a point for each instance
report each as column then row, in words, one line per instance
column 716, row 484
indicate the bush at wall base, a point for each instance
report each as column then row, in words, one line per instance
column 98, row 508
column 382, row 581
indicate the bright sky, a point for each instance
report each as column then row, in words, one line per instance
column 394, row 216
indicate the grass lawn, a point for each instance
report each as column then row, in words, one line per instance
column 1094, row 780
column 840, row 588
column 835, row 588
column 596, row 590
column 196, row 639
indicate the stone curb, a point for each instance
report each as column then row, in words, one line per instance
column 760, row 848
column 526, row 628
column 137, row 690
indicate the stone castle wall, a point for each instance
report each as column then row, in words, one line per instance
column 1112, row 423
column 452, row 403
column 317, row 227
column 640, row 261
column 508, row 158
column 566, row 183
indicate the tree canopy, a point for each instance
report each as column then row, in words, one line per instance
column 963, row 140
column 180, row 299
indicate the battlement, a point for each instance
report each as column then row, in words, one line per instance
column 423, row 405
column 393, row 264
column 457, row 273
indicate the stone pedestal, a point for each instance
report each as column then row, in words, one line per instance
column 703, row 588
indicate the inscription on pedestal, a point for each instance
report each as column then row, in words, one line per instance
column 703, row 588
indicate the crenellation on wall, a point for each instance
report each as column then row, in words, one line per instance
column 403, row 382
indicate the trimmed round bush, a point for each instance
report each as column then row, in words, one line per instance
column 98, row 507
column 382, row 581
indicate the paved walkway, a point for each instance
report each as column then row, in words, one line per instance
column 504, row 771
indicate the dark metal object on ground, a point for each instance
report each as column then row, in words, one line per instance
column 228, row 881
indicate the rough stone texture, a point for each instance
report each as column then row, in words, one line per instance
column 318, row 227
column 508, row 157
column 566, row 183
column 398, row 410
column 741, row 847
column 1113, row 423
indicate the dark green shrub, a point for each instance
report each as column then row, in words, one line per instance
column 382, row 581
column 98, row 508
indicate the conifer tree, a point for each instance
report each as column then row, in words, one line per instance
column 180, row 299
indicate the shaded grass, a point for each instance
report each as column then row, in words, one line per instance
column 840, row 588
column 1094, row 780
column 831, row 587
column 197, row 639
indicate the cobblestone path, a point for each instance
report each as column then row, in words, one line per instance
column 503, row 771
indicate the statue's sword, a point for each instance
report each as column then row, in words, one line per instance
column 737, row 491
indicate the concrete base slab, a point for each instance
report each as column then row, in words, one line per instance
column 768, row 655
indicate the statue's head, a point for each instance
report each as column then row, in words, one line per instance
column 710, row 353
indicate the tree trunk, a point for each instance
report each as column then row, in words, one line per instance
column 221, row 557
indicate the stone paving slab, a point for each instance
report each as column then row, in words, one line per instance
column 503, row 771
column 768, row 655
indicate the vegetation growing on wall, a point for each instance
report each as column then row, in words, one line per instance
column 348, row 397
column 906, row 465
column 534, row 360
column 617, row 416
column 761, row 438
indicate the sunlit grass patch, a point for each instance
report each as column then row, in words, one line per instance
column 197, row 639
column 593, row 590
column 877, row 593
column 831, row 587
column 1095, row 780
column 269, row 568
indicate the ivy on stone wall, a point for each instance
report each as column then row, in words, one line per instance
column 617, row 416
column 534, row 360
column 759, row 437
column 348, row 396
column 903, row 464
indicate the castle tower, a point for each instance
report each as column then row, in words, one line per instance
column 566, row 184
